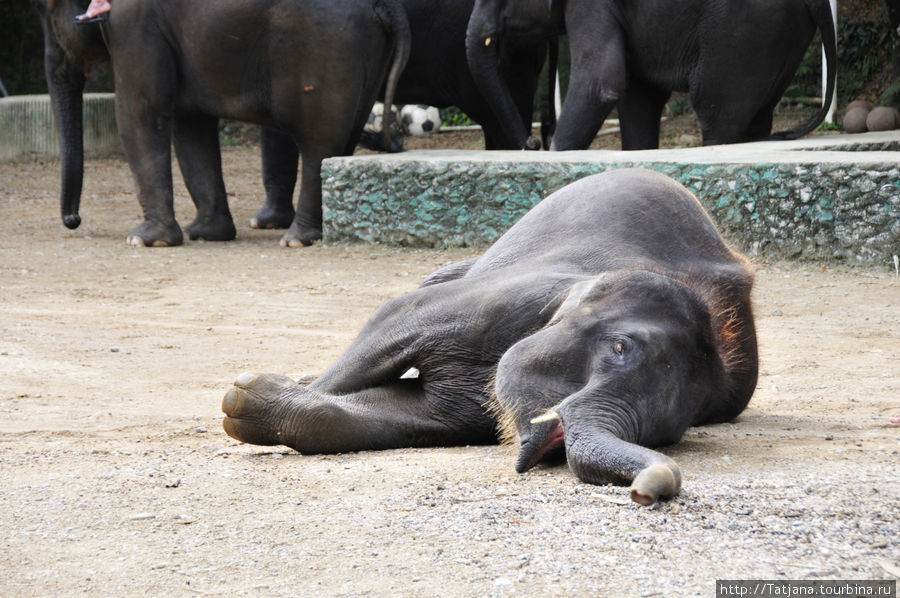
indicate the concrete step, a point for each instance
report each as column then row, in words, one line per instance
column 831, row 197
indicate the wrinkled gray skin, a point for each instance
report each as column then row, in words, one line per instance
column 608, row 320
column 735, row 58
column 312, row 68
column 436, row 74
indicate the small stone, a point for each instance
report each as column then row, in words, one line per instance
column 883, row 118
column 142, row 517
column 114, row 349
column 855, row 119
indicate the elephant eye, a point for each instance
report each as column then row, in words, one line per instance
column 619, row 348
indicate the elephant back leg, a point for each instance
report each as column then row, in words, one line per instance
column 145, row 96
column 640, row 110
column 197, row 148
column 742, row 72
column 326, row 119
column 306, row 226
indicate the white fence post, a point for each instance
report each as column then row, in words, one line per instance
column 829, row 118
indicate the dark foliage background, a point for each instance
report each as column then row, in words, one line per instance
column 21, row 48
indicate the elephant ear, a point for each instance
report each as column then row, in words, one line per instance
column 574, row 297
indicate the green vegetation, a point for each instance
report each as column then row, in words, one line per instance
column 454, row 117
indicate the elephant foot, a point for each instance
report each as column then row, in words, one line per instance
column 661, row 480
column 257, row 407
column 152, row 234
column 268, row 217
column 218, row 228
column 297, row 236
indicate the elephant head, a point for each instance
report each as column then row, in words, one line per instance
column 70, row 51
column 628, row 361
column 492, row 21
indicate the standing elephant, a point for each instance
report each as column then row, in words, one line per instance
column 609, row 319
column 735, row 58
column 311, row 68
column 436, row 74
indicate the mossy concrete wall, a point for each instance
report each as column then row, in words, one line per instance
column 27, row 130
column 821, row 198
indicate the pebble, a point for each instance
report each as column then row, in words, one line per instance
column 142, row 517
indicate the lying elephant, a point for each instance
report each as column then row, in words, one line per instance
column 312, row 68
column 610, row 318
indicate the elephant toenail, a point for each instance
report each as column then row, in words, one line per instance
column 229, row 403
column 244, row 379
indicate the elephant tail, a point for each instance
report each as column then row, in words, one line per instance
column 821, row 13
column 393, row 16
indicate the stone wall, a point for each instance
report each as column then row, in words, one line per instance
column 810, row 199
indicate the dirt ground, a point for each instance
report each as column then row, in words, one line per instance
column 117, row 478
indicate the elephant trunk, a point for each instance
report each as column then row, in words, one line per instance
column 482, row 52
column 598, row 453
column 601, row 457
column 65, row 82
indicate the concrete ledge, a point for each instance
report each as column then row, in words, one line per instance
column 835, row 197
column 27, row 130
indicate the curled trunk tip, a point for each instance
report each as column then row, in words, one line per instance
column 71, row 221
column 660, row 480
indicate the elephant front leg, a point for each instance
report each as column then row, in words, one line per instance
column 280, row 156
column 272, row 409
column 640, row 112
column 144, row 101
column 200, row 160
column 597, row 76
column 149, row 156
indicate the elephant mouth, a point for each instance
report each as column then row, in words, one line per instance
column 544, row 438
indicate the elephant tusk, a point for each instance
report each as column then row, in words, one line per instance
column 487, row 42
column 546, row 417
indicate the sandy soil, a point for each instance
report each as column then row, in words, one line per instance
column 117, row 478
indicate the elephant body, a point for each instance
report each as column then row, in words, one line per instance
column 311, row 68
column 436, row 74
column 735, row 58
column 608, row 320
